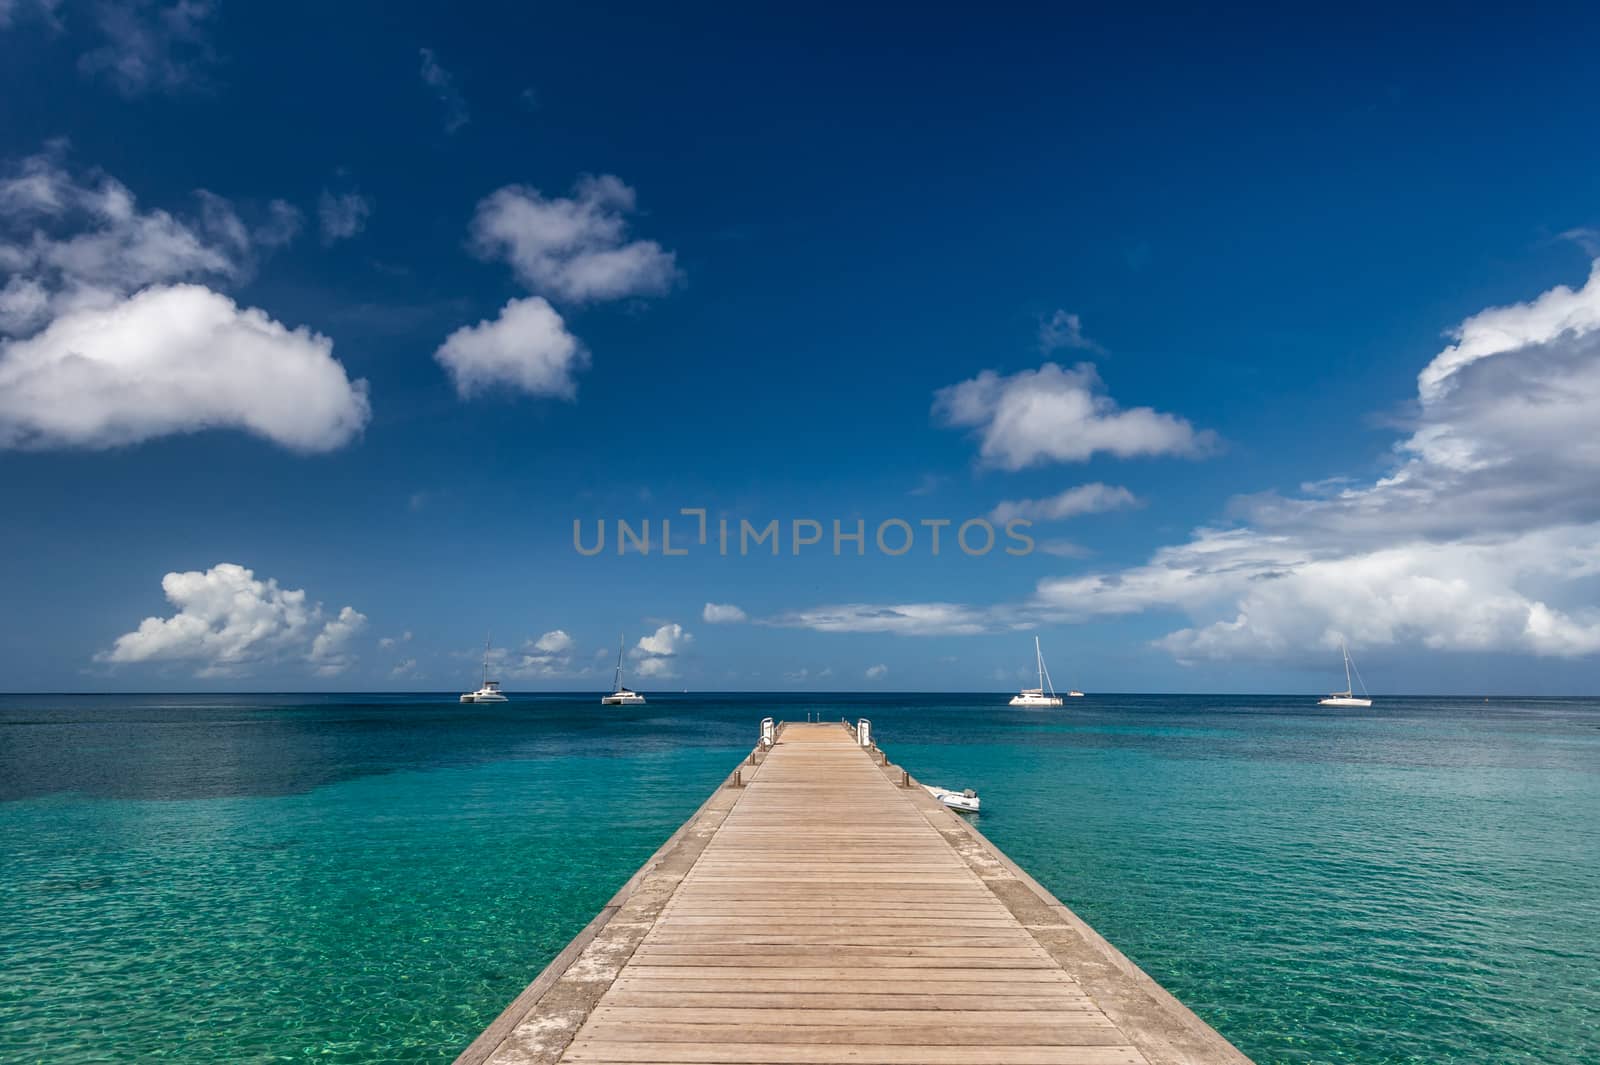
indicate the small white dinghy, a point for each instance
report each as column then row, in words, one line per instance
column 965, row 801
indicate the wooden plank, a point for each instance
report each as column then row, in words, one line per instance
column 783, row 983
column 656, row 948
column 594, row 1052
column 1045, row 1030
column 1062, row 1000
column 835, row 1016
column 649, row 970
column 944, row 962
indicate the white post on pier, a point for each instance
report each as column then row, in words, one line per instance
column 864, row 733
column 769, row 733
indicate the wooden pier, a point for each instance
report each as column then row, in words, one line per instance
column 818, row 910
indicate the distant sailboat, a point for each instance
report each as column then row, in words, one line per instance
column 1037, row 696
column 1347, row 697
column 622, row 696
column 490, row 692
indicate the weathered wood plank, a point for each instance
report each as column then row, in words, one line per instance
column 593, row 1052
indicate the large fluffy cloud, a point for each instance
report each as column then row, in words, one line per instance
column 175, row 359
column 228, row 621
column 1059, row 415
column 573, row 248
column 526, row 347
column 1484, row 535
column 106, row 339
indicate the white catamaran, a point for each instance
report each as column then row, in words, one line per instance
column 1037, row 696
column 1347, row 697
column 622, row 696
column 490, row 692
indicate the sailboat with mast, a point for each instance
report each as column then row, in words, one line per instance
column 1045, row 694
column 622, row 696
column 1348, row 697
column 490, row 692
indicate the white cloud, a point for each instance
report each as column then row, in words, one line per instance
column 554, row 642
column 1093, row 498
column 443, row 84
column 406, row 668
column 1064, row 330
column 527, row 347
column 151, row 47
column 329, row 651
column 1256, row 595
column 175, row 359
column 655, row 655
column 1057, row 415
column 388, row 643
column 877, row 672
column 573, row 248
column 660, row 668
column 668, row 640
column 280, row 227
column 1561, row 312
column 228, row 621
column 1062, row 548
column 44, row 10
column 69, row 242
column 548, row 657
column 904, row 619
column 107, row 348
column 1483, row 536
column 722, row 613
column 343, row 215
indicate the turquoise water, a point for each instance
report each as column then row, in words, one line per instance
column 255, row 879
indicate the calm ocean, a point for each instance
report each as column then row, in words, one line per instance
column 372, row 878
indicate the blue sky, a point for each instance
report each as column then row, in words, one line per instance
column 374, row 301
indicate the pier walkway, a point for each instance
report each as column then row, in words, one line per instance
column 817, row 910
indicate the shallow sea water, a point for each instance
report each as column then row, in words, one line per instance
column 372, row 878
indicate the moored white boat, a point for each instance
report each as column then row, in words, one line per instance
column 1348, row 697
column 965, row 801
column 1037, row 697
column 622, row 696
column 490, row 692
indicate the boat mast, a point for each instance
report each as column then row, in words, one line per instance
column 1349, row 689
column 621, row 639
column 1044, row 674
column 486, row 639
